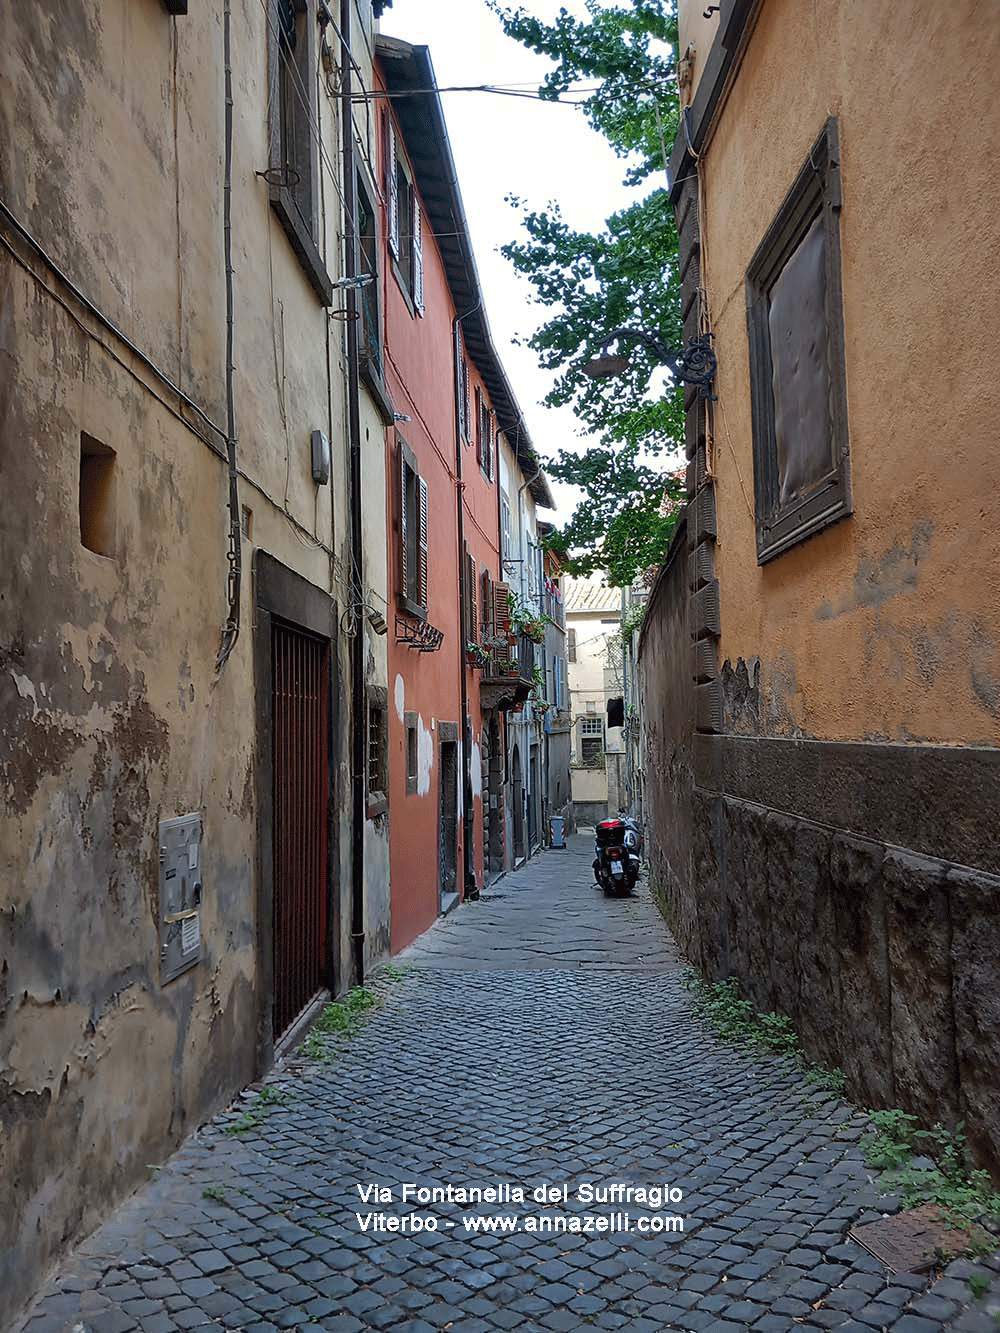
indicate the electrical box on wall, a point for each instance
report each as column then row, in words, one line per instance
column 180, row 895
column 176, row 6
column 320, row 458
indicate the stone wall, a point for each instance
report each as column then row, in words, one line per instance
column 885, row 959
column 853, row 887
column 666, row 694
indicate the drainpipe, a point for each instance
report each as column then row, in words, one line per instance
column 359, row 718
column 468, row 834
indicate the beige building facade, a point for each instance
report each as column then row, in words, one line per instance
column 157, row 807
column 593, row 622
column 825, row 753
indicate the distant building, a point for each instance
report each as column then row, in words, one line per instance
column 593, row 653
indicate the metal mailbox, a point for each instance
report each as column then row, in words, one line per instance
column 180, row 895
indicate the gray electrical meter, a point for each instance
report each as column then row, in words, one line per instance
column 180, row 895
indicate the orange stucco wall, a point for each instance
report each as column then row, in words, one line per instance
column 887, row 625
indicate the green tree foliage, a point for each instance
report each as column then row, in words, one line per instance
column 625, row 274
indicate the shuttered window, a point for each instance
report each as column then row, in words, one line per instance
column 470, row 607
column 462, row 387
column 405, row 221
column 413, row 534
column 797, row 378
column 484, row 434
column 294, row 165
column 486, row 601
column 501, row 628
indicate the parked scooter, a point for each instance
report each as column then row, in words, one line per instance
column 616, row 860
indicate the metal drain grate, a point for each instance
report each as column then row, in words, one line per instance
column 914, row 1241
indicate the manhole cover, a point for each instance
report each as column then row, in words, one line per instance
column 912, row 1242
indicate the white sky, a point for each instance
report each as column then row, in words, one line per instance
column 539, row 151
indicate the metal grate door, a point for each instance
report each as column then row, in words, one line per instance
column 300, row 675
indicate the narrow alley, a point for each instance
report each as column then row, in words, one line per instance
column 542, row 1036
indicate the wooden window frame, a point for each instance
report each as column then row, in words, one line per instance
column 303, row 232
column 816, row 193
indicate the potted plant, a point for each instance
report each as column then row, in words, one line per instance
column 523, row 621
column 477, row 655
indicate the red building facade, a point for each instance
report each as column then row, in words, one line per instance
column 448, row 602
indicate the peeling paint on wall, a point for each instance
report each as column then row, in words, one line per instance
column 399, row 697
column 477, row 770
column 425, row 757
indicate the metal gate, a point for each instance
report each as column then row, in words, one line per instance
column 300, row 675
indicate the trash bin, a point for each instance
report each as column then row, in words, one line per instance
column 556, row 831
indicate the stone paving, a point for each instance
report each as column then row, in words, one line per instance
column 540, row 1036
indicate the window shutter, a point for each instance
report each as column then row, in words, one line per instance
column 422, row 545
column 418, row 258
column 501, row 625
column 473, row 603
column 489, row 444
column 392, row 187
column 571, row 644
column 462, row 380
column 404, row 585
column 479, row 426
column 487, row 598
column 466, row 603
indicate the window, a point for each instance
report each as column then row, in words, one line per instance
column 484, row 434
column 376, row 776
column 471, row 600
column 413, row 550
column 486, row 602
column 504, row 528
column 366, row 231
column 591, row 742
column 571, row 645
column 410, row 723
column 796, row 333
column 405, row 223
column 294, row 161
column 97, row 496
column 462, row 387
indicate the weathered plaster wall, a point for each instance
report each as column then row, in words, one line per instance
column 696, row 31
column 114, row 717
column 887, row 625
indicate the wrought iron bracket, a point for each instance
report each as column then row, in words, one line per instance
column 695, row 363
column 418, row 634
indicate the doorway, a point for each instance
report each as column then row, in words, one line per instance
column 492, row 774
column 517, row 801
column 300, row 688
column 448, row 823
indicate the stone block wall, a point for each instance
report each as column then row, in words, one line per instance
column 887, row 961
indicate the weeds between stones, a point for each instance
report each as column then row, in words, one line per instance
column 268, row 1096
column 963, row 1194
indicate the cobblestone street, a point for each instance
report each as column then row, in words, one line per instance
column 541, row 1035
